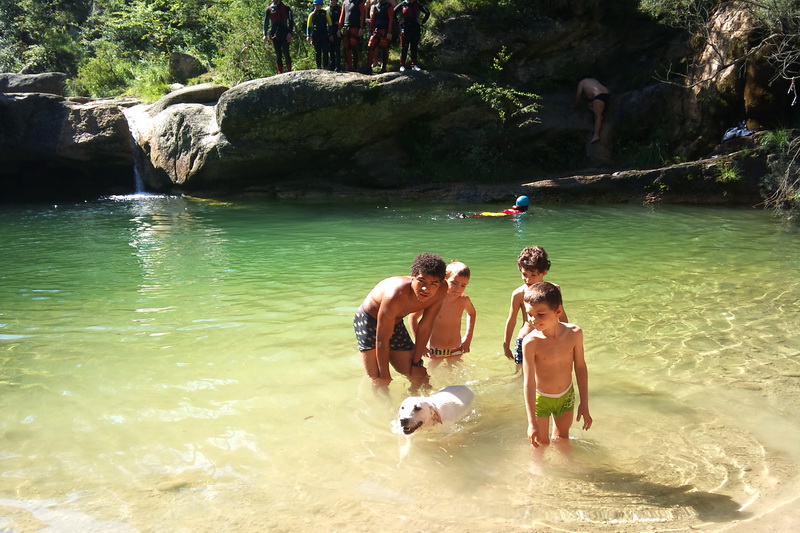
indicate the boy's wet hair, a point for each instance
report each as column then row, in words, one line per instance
column 430, row 264
column 533, row 258
column 457, row 268
column 543, row 292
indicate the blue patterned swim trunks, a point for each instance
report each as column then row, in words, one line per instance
column 366, row 328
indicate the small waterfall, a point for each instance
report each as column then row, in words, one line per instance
column 137, row 118
column 138, row 179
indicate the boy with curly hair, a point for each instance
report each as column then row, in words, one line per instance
column 381, row 334
column 533, row 264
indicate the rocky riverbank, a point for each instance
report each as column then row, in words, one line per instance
column 412, row 134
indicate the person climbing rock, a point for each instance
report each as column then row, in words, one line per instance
column 598, row 97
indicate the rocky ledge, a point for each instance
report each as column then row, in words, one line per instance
column 313, row 134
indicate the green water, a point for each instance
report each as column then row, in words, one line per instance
column 170, row 364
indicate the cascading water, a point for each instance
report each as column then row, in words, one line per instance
column 137, row 118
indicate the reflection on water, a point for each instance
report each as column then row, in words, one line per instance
column 182, row 365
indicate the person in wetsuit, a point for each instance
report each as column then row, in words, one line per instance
column 412, row 15
column 351, row 28
column 318, row 28
column 381, row 23
column 278, row 27
column 335, row 11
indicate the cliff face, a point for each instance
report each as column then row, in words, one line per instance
column 392, row 129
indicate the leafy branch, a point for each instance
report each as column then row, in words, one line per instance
column 507, row 102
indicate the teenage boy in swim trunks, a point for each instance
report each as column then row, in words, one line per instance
column 382, row 337
column 533, row 264
column 598, row 97
column 446, row 341
column 550, row 353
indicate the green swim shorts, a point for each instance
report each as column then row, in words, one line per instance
column 548, row 405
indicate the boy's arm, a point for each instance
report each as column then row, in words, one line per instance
column 582, row 377
column 387, row 318
column 529, row 390
column 578, row 94
column 424, row 14
column 511, row 322
column 466, row 341
column 425, row 326
column 413, row 322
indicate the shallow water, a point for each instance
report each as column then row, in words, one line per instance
column 171, row 364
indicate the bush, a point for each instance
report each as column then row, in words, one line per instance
column 506, row 101
column 728, row 172
column 107, row 73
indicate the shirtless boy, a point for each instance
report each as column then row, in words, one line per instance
column 598, row 97
column 382, row 337
column 550, row 352
column 446, row 341
column 533, row 265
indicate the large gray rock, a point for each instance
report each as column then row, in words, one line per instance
column 184, row 66
column 194, row 94
column 48, row 82
column 315, row 123
column 49, row 142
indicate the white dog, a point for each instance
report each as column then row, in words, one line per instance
column 442, row 407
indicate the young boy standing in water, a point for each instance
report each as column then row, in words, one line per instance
column 382, row 337
column 550, row 352
column 533, row 264
column 446, row 341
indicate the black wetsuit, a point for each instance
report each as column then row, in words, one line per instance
column 412, row 16
column 278, row 24
column 318, row 28
column 336, row 42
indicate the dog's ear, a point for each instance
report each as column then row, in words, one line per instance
column 436, row 416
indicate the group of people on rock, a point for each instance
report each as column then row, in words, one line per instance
column 343, row 27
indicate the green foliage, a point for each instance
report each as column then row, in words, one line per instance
column 777, row 26
column 107, row 73
column 646, row 152
column 776, row 140
column 728, row 172
column 38, row 36
column 679, row 13
column 506, row 101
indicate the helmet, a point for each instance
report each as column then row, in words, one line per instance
column 318, row 2
column 522, row 200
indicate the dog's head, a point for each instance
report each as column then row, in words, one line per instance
column 415, row 413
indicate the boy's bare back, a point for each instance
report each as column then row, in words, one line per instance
column 395, row 296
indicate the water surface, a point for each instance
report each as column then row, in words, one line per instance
column 172, row 364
